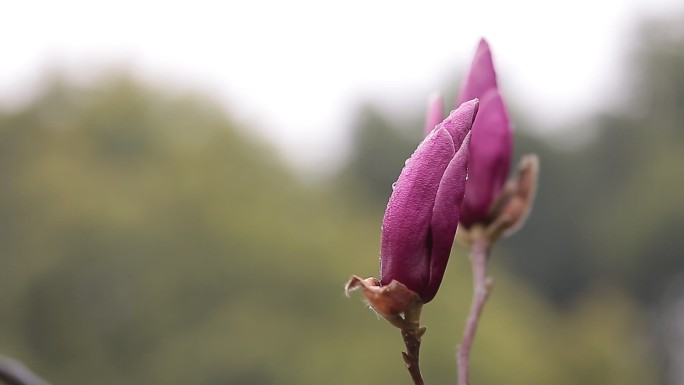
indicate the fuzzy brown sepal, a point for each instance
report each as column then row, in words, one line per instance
column 396, row 303
column 511, row 208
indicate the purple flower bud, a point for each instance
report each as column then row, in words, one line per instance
column 482, row 76
column 422, row 214
column 491, row 146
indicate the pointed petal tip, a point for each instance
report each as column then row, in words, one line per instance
column 483, row 45
column 473, row 105
column 483, row 49
column 460, row 121
column 481, row 76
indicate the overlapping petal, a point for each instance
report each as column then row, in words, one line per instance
column 445, row 216
column 423, row 210
column 482, row 76
column 491, row 150
column 491, row 147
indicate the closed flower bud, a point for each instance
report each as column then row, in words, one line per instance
column 422, row 215
column 491, row 147
column 492, row 205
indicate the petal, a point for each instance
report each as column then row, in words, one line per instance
column 435, row 112
column 491, row 148
column 445, row 216
column 405, row 253
column 460, row 120
column 481, row 77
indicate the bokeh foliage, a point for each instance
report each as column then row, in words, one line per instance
column 146, row 238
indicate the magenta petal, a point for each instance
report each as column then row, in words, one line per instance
column 481, row 77
column 405, row 250
column 491, row 148
column 445, row 216
column 460, row 120
column 435, row 112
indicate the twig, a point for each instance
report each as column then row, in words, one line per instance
column 479, row 253
column 412, row 355
column 412, row 332
column 13, row 372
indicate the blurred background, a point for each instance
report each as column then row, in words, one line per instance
column 185, row 188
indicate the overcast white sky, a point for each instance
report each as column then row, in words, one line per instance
column 297, row 69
